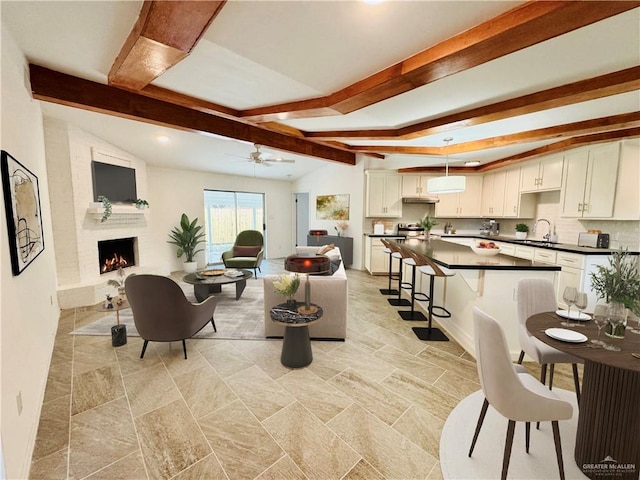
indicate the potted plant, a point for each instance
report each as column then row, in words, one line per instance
column 427, row 223
column 619, row 282
column 187, row 236
column 141, row 204
column 287, row 285
column 106, row 204
column 521, row 231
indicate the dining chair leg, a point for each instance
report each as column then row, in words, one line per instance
column 527, row 436
column 507, row 449
column 543, row 374
column 483, row 412
column 551, row 370
column 576, row 381
column 521, row 357
column 144, row 348
column 214, row 324
column 556, row 440
column 184, row 347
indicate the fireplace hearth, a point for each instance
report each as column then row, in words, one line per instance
column 115, row 254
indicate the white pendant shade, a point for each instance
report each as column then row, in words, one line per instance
column 446, row 184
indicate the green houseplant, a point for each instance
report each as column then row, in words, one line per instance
column 427, row 223
column 521, row 230
column 141, row 204
column 618, row 282
column 106, row 204
column 187, row 236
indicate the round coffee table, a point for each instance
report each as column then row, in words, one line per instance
column 205, row 286
column 296, row 347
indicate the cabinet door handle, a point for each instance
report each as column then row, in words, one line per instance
column 579, row 207
column 514, row 209
column 585, row 207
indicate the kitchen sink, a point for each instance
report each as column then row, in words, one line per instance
column 543, row 243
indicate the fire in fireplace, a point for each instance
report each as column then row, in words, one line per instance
column 115, row 254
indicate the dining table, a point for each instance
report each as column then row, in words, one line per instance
column 608, row 431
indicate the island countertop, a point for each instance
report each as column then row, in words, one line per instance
column 461, row 257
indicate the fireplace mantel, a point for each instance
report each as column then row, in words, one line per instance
column 120, row 214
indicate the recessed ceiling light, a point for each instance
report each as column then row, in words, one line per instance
column 472, row 163
column 162, row 138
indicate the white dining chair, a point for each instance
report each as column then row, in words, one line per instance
column 536, row 295
column 519, row 397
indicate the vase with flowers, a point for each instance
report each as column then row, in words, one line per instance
column 287, row 285
column 342, row 227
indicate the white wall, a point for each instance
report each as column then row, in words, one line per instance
column 335, row 178
column 28, row 302
column 174, row 192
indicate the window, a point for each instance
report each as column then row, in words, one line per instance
column 227, row 214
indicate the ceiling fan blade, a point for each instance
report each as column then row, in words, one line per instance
column 280, row 160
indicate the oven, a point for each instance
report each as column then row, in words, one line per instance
column 410, row 229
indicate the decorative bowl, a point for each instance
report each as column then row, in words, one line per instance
column 485, row 252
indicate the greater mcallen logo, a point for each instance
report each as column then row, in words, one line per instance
column 609, row 467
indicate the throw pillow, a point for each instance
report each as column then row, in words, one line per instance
column 239, row 251
column 326, row 248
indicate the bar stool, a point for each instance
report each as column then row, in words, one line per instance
column 408, row 259
column 429, row 267
column 398, row 302
column 387, row 249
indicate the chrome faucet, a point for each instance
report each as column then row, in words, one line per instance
column 547, row 237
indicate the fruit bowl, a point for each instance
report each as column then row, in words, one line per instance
column 486, row 250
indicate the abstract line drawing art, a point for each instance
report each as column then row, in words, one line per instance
column 24, row 217
column 332, row 207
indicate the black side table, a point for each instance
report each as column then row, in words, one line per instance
column 296, row 348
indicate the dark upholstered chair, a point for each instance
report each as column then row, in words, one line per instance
column 162, row 313
column 247, row 251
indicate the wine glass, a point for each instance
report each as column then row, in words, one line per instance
column 617, row 314
column 569, row 296
column 600, row 319
column 636, row 317
column 581, row 303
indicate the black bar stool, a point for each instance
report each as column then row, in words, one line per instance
column 429, row 267
column 398, row 302
column 407, row 259
column 391, row 275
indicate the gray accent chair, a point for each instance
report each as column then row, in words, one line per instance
column 162, row 313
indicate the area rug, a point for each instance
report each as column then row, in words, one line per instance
column 486, row 462
column 235, row 319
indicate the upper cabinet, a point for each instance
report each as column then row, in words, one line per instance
column 414, row 185
column 590, row 182
column 627, row 201
column 493, row 192
column 542, row 175
column 463, row 204
column 384, row 191
column 515, row 204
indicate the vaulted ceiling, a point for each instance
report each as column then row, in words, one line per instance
column 321, row 81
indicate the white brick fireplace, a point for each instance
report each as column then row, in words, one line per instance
column 77, row 227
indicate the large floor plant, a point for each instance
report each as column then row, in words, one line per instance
column 187, row 236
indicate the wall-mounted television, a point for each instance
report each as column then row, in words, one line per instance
column 116, row 183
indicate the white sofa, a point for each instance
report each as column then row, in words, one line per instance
column 329, row 292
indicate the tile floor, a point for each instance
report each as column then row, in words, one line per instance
column 371, row 407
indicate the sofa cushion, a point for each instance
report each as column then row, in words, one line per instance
column 326, row 248
column 240, row 251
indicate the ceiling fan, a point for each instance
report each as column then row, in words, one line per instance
column 266, row 159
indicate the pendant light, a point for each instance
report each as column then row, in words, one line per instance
column 447, row 184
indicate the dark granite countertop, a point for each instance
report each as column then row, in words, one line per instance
column 383, row 235
column 461, row 257
column 562, row 247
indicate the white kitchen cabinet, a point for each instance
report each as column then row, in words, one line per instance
column 589, row 185
column 571, row 274
column 515, row 204
column 493, row 194
column 524, row 252
column 627, row 202
column 541, row 175
column 376, row 262
column 415, row 185
column 463, row 204
column 384, row 197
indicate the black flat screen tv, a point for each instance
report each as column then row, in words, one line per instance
column 116, row 183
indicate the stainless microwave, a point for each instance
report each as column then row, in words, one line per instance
column 595, row 240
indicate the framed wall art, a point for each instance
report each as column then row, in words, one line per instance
column 24, row 217
column 332, row 207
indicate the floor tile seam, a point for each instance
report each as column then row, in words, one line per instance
column 111, row 464
column 454, row 358
column 440, row 390
column 73, row 357
column 427, row 364
column 438, row 419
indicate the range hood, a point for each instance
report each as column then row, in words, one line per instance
column 427, row 199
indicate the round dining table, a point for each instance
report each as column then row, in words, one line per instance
column 608, row 432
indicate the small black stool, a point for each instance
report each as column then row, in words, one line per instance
column 429, row 267
column 387, row 249
column 412, row 315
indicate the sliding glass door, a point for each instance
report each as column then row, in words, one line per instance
column 227, row 214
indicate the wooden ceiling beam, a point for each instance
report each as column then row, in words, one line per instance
column 164, row 34
column 557, row 147
column 51, row 86
column 615, row 83
column 519, row 28
column 597, row 125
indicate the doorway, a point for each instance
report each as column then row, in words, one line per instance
column 301, row 201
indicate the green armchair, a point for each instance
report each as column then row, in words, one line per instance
column 247, row 251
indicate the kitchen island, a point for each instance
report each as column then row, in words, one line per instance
column 489, row 283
